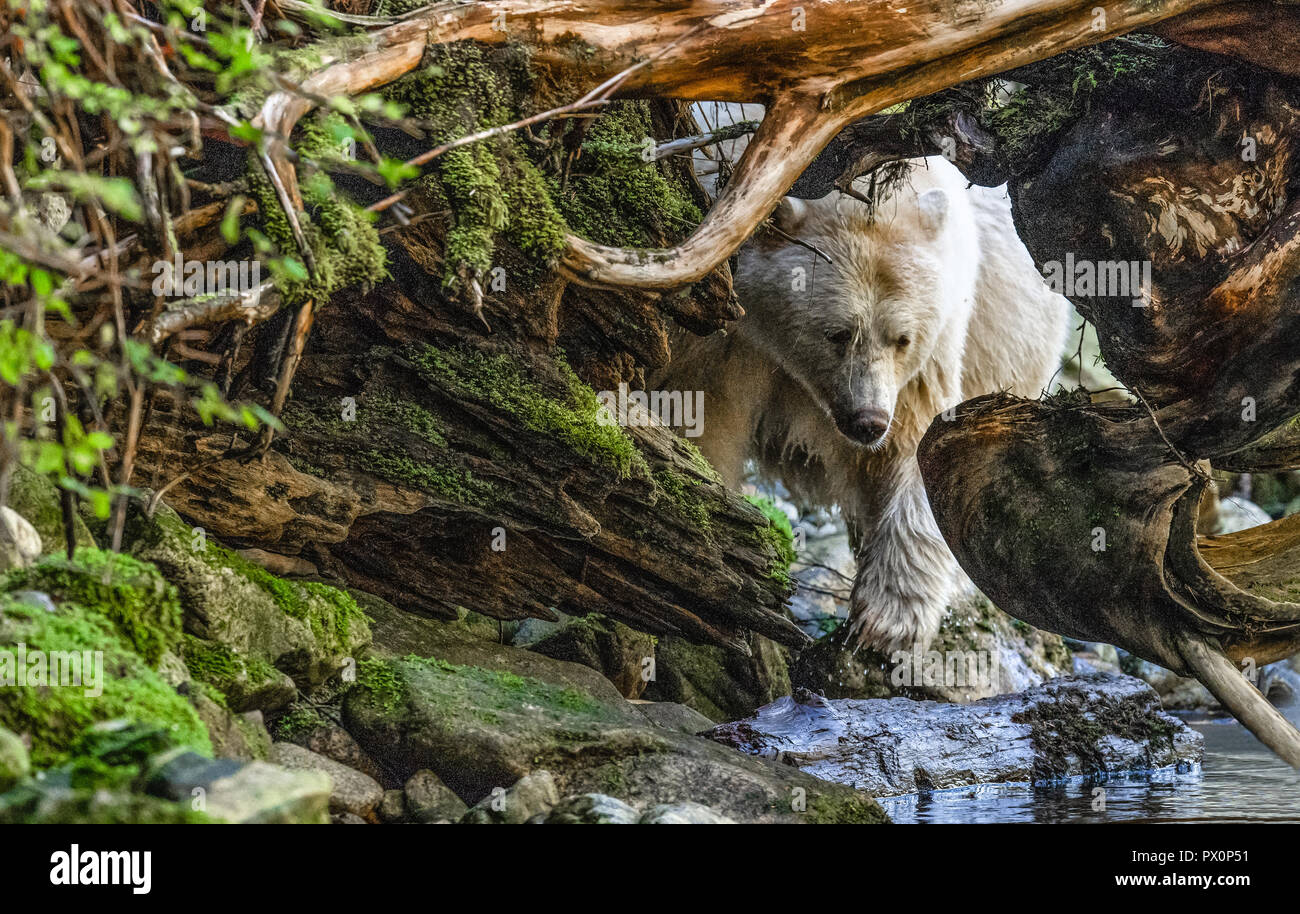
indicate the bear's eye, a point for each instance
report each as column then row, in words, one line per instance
column 840, row 338
column 904, row 341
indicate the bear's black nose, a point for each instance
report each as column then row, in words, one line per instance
column 869, row 425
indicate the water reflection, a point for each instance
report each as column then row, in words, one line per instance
column 1238, row 781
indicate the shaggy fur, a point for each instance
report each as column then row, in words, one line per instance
column 932, row 302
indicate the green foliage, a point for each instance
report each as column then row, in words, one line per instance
column 778, row 535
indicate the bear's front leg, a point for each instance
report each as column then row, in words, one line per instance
column 906, row 573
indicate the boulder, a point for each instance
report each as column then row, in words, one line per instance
column 236, row 792
column 20, row 544
column 353, row 792
column 478, row 729
column 673, row 716
column 234, row 735
column 593, row 809
column 308, row 727
column 721, row 684
column 307, row 630
column 15, row 764
column 428, row 799
column 621, row 654
column 531, row 797
column 36, row 498
column 1088, row 726
column 687, row 813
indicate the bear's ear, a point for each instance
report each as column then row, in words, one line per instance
column 789, row 214
column 933, row 205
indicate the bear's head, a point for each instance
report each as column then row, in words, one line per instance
column 855, row 330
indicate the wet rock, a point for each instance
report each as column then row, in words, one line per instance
column 428, row 799
column 531, row 796
column 593, row 809
column 1089, row 726
column 479, row 729
column 674, row 716
column 683, row 814
column 718, row 683
column 20, row 544
column 254, row 793
column 14, row 761
column 353, row 792
column 620, row 653
column 979, row 652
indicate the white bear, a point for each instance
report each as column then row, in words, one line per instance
column 837, row 369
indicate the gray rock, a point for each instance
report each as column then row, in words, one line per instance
column 347, row 818
column 620, row 653
column 253, row 793
column 324, row 737
column 478, row 729
column 721, row 684
column 20, row 544
column 683, row 814
column 235, row 736
column 673, row 716
column 593, row 809
column 14, row 762
column 352, row 792
column 393, row 806
column 305, row 630
column 1088, row 726
column 428, row 799
column 532, row 795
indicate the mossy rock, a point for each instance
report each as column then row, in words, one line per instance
column 722, row 685
column 15, row 763
column 245, row 683
column 478, row 729
column 620, row 653
column 55, row 717
column 37, row 498
column 131, row 594
column 308, row 630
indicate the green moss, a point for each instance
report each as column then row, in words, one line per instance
column 378, row 679
column 846, row 809
column 220, row 668
column 778, row 535
column 55, row 717
column 678, row 492
column 299, row 721
column 491, row 187
column 36, row 498
column 568, row 413
column 340, row 233
column 330, row 613
column 619, row 198
column 131, row 594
